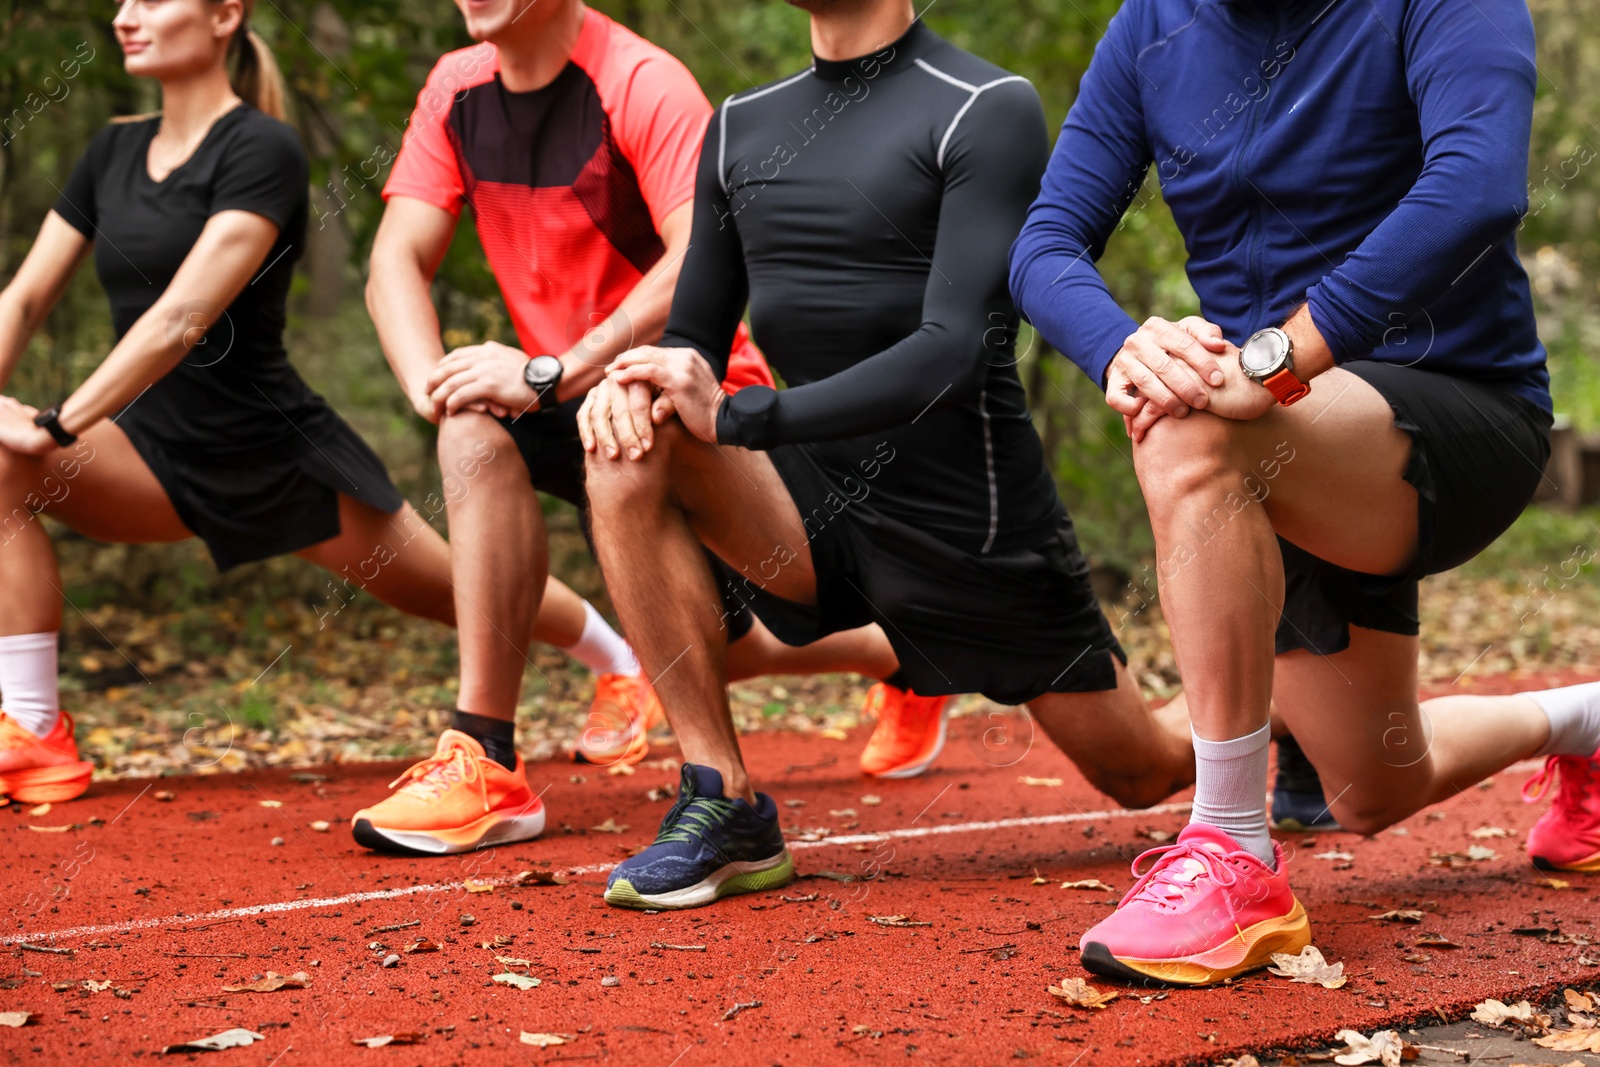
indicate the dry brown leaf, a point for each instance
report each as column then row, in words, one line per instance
column 1497, row 1013
column 610, row 826
column 1485, row 833
column 842, row 813
column 833, row 734
column 1338, row 857
column 1399, row 915
column 1436, row 941
column 538, row 878
column 1385, row 1047
column 96, row 987
column 271, row 982
column 1480, row 853
column 1246, row 1060
column 477, row 887
column 521, row 981
column 1081, row 994
column 1308, row 967
column 542, row 1040
column 389, row 1039
column 421, row 944
column 321, row 826
column 622, row 770
column 1039, row 879
column 512, row 961
column 871, row 801
column 1584, row 1002
column 164, row 794
column 234, row 1038
column 1088, row 883
column 42, row 809
column 1160, row 837
column 50, row 829
column 1555, row 883
column 895, row 920
column 270, row 803
column 1047, row 782
column 1571, row 1041
column 15, row 1018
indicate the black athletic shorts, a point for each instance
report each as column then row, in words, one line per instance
column 1477, row 455
column 553, row 452
column 251, row 508
column 1010, row 625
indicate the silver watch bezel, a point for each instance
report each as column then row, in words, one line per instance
column 1285, row 358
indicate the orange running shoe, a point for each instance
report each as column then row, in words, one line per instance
column 909, row 735
column 456, row 800
column 41, row 769
column 624, row 711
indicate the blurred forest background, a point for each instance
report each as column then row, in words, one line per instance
column 353, row 68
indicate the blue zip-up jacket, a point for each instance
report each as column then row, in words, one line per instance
column 1367, row 157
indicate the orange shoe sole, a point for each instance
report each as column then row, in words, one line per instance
column 41, row 785
column 1251, row 950
column 1587, row 865
column 503, row 826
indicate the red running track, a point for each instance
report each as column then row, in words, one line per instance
column 140, row 884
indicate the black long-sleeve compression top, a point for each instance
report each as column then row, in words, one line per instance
column 864, row 210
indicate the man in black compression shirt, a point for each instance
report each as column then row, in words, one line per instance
column 863, row 209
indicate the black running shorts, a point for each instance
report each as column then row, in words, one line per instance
column 1477, row 455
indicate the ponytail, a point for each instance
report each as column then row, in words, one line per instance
column 255, row 75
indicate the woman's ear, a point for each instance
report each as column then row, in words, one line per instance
column 227, row 17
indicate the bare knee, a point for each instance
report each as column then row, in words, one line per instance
column 474, row 447
column 622, row 484
column 1180, row 458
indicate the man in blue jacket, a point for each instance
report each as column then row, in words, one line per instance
column 1362, row 402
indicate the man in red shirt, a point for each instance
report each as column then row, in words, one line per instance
column 575, row 142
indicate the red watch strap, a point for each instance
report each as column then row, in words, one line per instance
column 1286, row 388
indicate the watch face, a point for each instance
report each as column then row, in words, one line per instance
column 1263, row 353
column 543, row 370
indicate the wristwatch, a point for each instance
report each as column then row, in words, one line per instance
column 50, row 421
column 1268, row 358
column 543, row 374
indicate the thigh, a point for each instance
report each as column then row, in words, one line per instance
column 1330, row 472
column 103, row 488
column 397, row 558
column 740, row 508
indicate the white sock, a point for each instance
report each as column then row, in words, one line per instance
column 1574, row 714
column 28, row 681
column 600, row 648
column 1230, row 789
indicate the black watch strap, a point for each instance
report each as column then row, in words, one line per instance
column 51, row 422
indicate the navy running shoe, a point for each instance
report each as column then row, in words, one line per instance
column 708, row 847
column 1297, row 801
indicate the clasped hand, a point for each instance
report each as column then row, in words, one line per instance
column 1171, row 368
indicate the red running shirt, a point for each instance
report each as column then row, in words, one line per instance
column 568, row 184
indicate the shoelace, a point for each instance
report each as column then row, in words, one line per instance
column 1170, row 878
column 1573, row 791
column 428, row 778
column 691, row 819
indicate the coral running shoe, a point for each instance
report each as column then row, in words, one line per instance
column 1567, row 836
column 456, row 800
column 910, row 732
column 1205, row 911
column 624, row 711
column 41, row 769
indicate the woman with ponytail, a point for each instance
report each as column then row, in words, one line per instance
column 195, row 424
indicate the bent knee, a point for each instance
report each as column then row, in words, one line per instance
column 1371, row 811
column 471, row 446
column 624, row 482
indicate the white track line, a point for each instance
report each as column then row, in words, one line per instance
column 598, row 868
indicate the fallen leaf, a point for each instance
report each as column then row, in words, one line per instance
column 1088, row 883
column 421, row 944
column 512, row 961
column 833, row 734
column 1571, row 1041
column 1246, row 1060
column 895, row 920
column 389, row 1039
column 1160, row 837
column 610, row 826
column 234, row 1038
column 15, row 1018
column 1555, row 883
column 270, row 803
column 1584, row 1002
column 1436, row 941
column 167, row 794
column 538, row 878
column 1308, row 967
column 842, row 813
column 1039, row 879
column 96, row 987
column 42, row 809
column 1385, row 1047
column 321, row 826
column 1399, row 915
column 542, row 1040
column 1081, row 994
column 871, row 800
column 1496, row 1013
column 1340, row 856
column 621, row 769
column 50, row 829
column 271, row 982
column 521, row 981
column 1050, row 782
column 1484, row 833
column 477, row 887
column 1479, row 853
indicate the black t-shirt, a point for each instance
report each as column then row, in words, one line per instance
column 235, row 395
column 865, row 209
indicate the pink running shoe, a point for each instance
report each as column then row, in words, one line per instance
column 1567, row 836
column 1205, row 911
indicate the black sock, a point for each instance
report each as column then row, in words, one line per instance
column 898, row 680
column 497, row 736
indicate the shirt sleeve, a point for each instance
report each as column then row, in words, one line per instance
column 709, row 302
column 1470, row 70
column 660, row 125
column 427, row 167
column 264, row 171
column 76, row 204
column 1100, row 161
column 991, row 166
